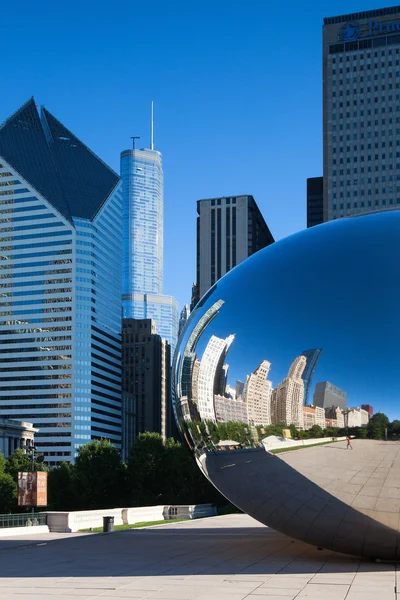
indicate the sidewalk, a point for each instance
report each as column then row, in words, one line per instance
column 222, row 558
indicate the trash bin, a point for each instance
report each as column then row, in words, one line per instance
column 108, row 524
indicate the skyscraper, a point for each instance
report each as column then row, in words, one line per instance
column 143, row 242
column 229, row 229
column 60, row 248
column 146, row 378
column 315, row 201
column 361, row 112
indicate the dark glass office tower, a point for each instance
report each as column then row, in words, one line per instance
column 60, row 303
column 146, row 380
column 229, row 229
column 315, row 201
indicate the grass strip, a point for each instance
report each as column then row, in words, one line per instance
column 134, row 526
column 280, row 450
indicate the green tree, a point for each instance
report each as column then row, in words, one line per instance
column 294, row 432
column 166, row 473
column 19, row 461
column 331, row 432
column 377, row 426
column 61, row 488
column 362, row 433
column 394, row 428
column 316, row 431
column 99, row 476
column 146, row 470
column 8, row 493
column 2, row 463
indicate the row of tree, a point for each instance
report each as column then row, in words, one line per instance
column 157, row 472
column 200, row 432
column 378, row 428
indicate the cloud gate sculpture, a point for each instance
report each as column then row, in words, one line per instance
column 312, row 319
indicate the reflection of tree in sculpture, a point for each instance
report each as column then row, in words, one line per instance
column 209, row 380
column 257, row 395
column 287, row 398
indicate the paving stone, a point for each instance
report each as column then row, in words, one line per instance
column 224, row 558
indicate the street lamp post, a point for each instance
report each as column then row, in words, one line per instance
column 31, row 450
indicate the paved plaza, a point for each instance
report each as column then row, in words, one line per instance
column 346, row 500
column 231, row 557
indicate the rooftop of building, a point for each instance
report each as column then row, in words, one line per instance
column 366, row 14
column 226, row 197
column 15, row 424
column 53, row 161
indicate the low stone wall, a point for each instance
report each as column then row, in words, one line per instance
column 14, row 531
column 69, row 522
column 274, row 442
column 77, row 520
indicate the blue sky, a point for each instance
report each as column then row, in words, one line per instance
column 236, row 85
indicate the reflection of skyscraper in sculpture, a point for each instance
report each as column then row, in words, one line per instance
column 185, row 314
column 195, row 379
column 228, row 409
column 210, row 374
column 239, row 389
column 223, row 380
column 312, row 357
column 183, row 370
column 287, row 398
column 257, row 395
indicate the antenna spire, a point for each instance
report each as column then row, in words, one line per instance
column 152, row 127
column 133, row 138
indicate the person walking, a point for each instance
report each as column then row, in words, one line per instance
column 349, row 443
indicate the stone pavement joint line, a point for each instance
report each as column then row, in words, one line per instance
column 222, row 558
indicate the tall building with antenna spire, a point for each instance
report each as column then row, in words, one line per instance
column 143, row 240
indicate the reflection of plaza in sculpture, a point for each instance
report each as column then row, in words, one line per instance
column 258, row 319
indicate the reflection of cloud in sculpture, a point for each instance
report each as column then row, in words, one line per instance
column 257, row 395
column 209, row 379
column 287, row 398
column 312, row 357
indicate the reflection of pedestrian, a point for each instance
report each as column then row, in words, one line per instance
column 349, row 444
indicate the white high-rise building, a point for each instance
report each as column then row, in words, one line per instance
column 60, row 249
column 210, row 374
column 288, row 397
column 257, row 395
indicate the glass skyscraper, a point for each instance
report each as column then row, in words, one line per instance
column 361, row 112
column 60, row 285
column 143, row 243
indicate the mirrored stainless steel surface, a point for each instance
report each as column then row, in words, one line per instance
column 316, row 311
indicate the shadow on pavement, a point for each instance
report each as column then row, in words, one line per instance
column 179, row 551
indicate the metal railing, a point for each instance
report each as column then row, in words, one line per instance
column 22, row 520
